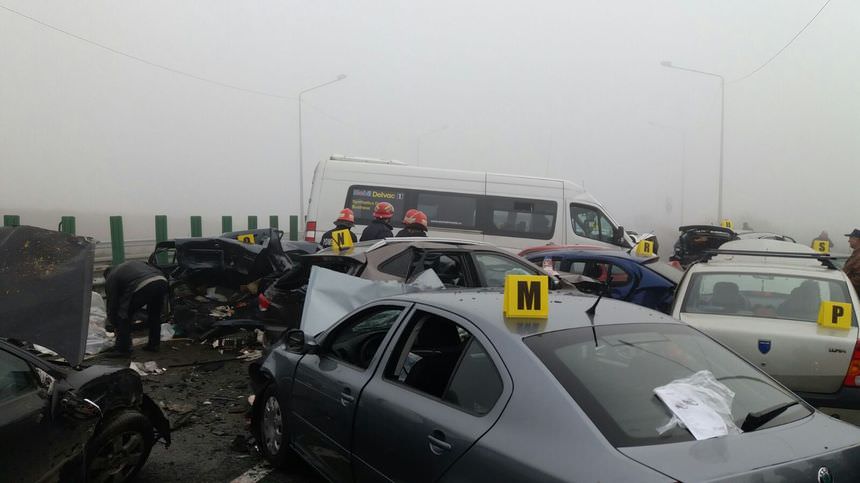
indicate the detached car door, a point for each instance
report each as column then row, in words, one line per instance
column 328, row 384
column 439, row 389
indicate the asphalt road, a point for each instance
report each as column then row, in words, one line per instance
column 207, row 405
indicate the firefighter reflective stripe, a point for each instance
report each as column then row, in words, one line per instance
column 835, row 315
column 526, row 296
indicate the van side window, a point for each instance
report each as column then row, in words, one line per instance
column 449, row 210
column 589, row 222
column 362, row 199
column 517, row 217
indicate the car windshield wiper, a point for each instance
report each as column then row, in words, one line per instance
column 755, row 420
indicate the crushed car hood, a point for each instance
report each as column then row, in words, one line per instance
column 46, row 280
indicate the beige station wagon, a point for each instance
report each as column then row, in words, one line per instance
column 773, row 303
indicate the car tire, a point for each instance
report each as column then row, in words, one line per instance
column 273, row 439
column 119, row 448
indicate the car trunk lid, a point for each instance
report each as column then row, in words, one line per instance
column 802, row 355
column 792, row 452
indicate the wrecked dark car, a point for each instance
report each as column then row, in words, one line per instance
column 219, row 278
column 696, row 240
column 59, row 419
column 225, row 262
column 457, row 263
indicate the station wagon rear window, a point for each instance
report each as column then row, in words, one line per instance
column 612, row 372
column 762, row 295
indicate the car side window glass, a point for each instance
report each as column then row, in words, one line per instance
column 493, row 268
column 591, row 223
column 356, row 340
column 16, row 377
column 476, row 385
column 398, row 265
column 428, row 353
column 599, row 271
column 449, row 267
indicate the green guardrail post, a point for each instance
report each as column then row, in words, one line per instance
column 196, row 226
column 117, row 241
column 226, row 224
column 294, row 227
column 11, row 220
column 273, row 221
column 161, row 235
column 252, row 222
column 67, row 224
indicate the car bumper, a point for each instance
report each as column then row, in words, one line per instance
column 845, row 398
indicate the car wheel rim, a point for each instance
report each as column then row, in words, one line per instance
column 117, row 459
column 272, row 425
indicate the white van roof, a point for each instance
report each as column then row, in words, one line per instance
column 572, row 189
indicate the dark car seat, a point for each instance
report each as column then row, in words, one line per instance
column 802, row 303
column 727, row 296
column 438, row 343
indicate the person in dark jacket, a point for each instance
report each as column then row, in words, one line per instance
column 129, row 286
column 380, row 227
column 414, row 224
column 345, row 221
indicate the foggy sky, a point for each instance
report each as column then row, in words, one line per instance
column 565, row 89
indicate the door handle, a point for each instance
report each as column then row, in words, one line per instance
column 438, row 445
column 346, row 397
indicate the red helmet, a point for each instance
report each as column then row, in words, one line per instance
column 417, row 218
column 410, row 215
column 383, row 210
column 345, row 216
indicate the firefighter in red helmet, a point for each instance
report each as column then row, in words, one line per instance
column 380, row 227
column 345, row 221
column 414, row 224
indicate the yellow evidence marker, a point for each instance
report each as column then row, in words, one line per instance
column 341, row 239
column 526, row 296
column 645, row 248
column 821, row 246
column 834, row 315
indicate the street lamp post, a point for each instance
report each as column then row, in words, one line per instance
column 670, row 65
column 418, row 142
column 301, row 151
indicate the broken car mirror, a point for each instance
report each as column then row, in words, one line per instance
column 297, row 341
column 76, row 407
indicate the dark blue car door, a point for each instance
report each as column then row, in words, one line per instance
column 440, row 387
column 328, row 384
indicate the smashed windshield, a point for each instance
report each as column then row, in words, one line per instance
column 762, row 295
column 614, row 380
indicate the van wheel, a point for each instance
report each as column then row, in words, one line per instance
column 120, row 448
column 274, row 439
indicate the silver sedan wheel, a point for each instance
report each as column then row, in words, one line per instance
column 118, row 458
column 273, row 425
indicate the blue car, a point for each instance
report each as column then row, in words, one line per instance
column 642, row 281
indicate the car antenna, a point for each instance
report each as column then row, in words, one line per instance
column 591, row 310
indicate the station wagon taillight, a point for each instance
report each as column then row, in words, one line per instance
column 852, row 378
column 311, row 231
